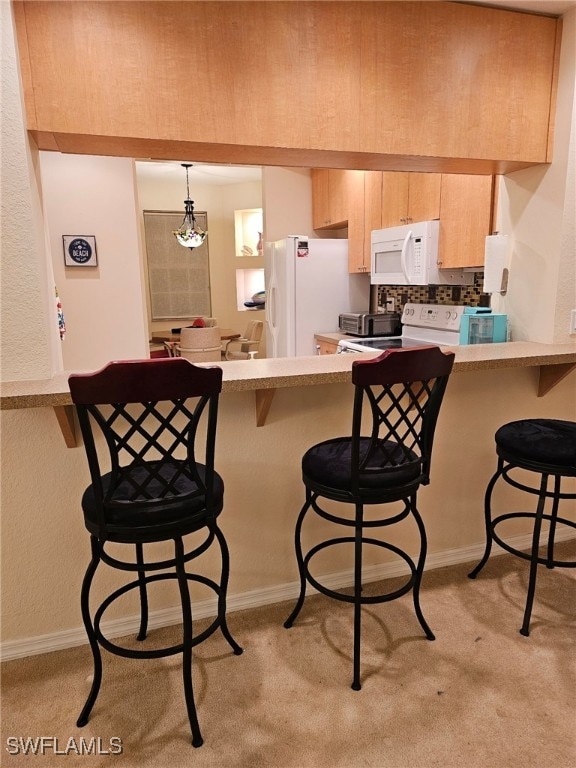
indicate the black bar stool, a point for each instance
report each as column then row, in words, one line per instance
column 148, row 413
column 404, row 389
column 546, row 447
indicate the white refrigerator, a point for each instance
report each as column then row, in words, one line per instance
column 307, row 287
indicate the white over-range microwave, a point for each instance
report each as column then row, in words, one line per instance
column 408, row 255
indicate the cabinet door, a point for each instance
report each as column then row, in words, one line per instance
column 365, row 215
column 394, row 198
column 423, row 197
column 329, row 198
column 372, row 203
column 466, row 206
column 357, row 261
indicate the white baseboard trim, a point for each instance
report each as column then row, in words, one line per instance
column 57, row 641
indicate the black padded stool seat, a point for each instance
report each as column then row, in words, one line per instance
column 402, row 391
column 328, row 464
column 188, row 510
column 145, row 420
column 545, row 441
column 546, row 447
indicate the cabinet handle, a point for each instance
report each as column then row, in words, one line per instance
column 403, row 219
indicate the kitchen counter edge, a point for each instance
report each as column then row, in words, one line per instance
column 275, row 373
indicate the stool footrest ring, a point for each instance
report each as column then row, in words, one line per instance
column 158, row 652
column 528, row 555
column 366, row 599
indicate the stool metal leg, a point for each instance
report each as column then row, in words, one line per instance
column 525, row 630
column 143, row 593
column 420, row 570
column 223, row 591
column 300, row 560
column 92, row 639
column 356, row 685
column 488, row 520
column 553, row 520
column 197, row 739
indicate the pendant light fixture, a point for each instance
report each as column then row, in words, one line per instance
column 188, row 234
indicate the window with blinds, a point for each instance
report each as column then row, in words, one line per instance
column 178, row 277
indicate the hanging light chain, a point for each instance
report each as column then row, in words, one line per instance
column 188, row 234
column 187, row 165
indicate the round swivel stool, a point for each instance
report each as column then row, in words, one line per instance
column 546, row 447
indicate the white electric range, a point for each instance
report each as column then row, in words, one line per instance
column 434, row 324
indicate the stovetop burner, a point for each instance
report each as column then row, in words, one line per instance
column 381, row 342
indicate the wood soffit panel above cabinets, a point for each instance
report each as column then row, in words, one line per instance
column 472, row 89
column 157, row 149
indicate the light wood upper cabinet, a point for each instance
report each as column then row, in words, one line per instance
column 382, row 199
column 393, row 199
column 359, row 225
column 408, row 197
column 474, row 93
column 423, row 197
column 466, row 210
column 463, row 203
column 330, row 198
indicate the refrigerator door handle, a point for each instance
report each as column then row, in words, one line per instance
column 270, row 308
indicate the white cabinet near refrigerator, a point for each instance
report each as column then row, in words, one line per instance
column 307, row 287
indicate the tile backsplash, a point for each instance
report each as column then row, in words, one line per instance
column 467, row 295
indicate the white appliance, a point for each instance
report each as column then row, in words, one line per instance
column 308, row 286
column 408, row 255
column 422, row 324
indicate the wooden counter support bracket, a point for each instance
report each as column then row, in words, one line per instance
column 65, row 416
column 550, row 375
column 264, row 399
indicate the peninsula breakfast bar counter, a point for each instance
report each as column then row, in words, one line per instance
column 265, row 376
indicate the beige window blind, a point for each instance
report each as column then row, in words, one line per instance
column 178, row 277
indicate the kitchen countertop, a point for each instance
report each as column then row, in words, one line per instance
column 274, row 373
column 265, row 376
column 332, row 338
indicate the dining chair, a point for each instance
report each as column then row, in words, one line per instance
column 200, row 345
column 245, row 347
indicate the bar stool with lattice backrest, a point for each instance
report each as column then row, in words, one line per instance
column 546, row 447
column 156, row 417
column 403, row 389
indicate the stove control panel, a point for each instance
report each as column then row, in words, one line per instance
column 438, row 316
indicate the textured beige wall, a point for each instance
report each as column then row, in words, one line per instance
column 28, row 305
column 103, row 306
column 45, row 547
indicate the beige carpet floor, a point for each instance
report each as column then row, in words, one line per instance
column 481, row 695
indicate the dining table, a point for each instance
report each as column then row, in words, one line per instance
column 159, row 337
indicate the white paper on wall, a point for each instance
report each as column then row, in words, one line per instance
column 496, row 257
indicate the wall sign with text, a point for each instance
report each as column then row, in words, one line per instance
column 80, row 251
